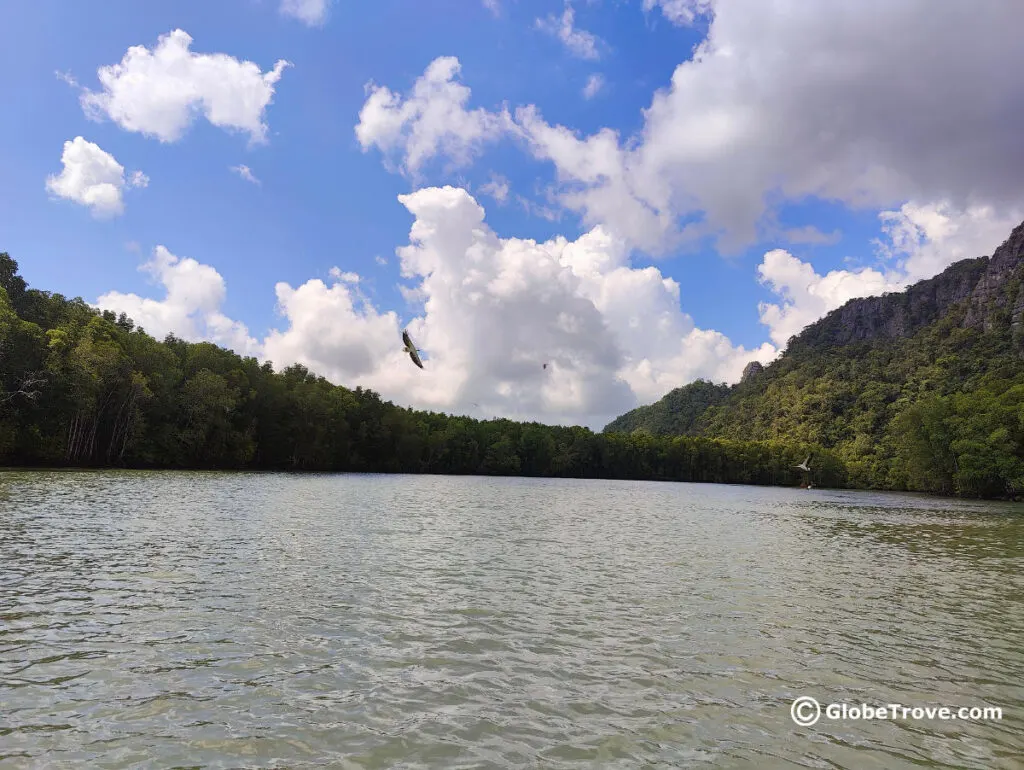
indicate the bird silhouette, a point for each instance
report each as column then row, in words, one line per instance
column 411, row 349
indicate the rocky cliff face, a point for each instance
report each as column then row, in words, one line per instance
column 994, row 290
column 988, row 285
column 752, row 369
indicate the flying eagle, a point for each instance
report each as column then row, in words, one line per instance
column 804, row 466
column 411, row 349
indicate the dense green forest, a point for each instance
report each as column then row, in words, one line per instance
column 921, row 390
column 84, row 388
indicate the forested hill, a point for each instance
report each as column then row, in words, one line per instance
column 83, row 388
column 920, row 390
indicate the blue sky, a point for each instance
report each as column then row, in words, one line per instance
column 325, row 201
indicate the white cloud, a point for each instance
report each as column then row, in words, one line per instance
column 191, row 307
column 380, row 260
column 579, row 42
column 787, row 101
column 310, row 12
column 924, row 239
column 245, row 173
column 431, row 120
column 680, row 12
column 494, row 310
column 333, row 330
column 93, row 178
column 497, row 188
column 594, row 85
column 807, row 296
column 920, row 241
column 160, row 92
column 494, row 6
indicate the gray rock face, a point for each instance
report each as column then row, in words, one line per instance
column 750, row 370
column 990, row 294
column 988, row 285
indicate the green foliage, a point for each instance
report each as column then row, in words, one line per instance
column 102, row 392
column 940, row 410
column 674, row 415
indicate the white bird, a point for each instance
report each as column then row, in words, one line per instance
column 804, row 466
column 411, row 349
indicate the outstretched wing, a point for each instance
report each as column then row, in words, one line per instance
column 411, row 349
column 415, row 356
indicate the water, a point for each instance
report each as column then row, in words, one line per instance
column 160, row 620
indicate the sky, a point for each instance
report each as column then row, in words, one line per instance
column 637, row 193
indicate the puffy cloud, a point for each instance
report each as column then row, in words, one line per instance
column 924, row 239
column 494, row 310
column 594, row 85
column 246, row 173
column 93, row 178
column 488, row 312
column 808, row 296
column 857, row 102
column 191, row 307
column 431, row 120
column 334, row 331
column 311, row 12
column 920, row 241
column 579, row 42
column 159, row 92
column 853, row 101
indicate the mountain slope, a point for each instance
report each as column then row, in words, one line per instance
column 922, row 389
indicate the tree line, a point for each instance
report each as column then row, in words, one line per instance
column 84, row 388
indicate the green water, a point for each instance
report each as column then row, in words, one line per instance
column 161, row 620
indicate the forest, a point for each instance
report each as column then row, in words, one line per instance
column 933, row 404
column 81, row 388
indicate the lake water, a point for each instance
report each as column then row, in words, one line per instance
column 160, row 620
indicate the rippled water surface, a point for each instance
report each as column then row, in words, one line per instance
column 161, row 620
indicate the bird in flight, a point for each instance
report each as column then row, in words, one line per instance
column 804, row 466
column 411, row 349
column 545, row 366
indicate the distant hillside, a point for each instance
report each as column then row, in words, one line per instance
column 677, row 414
column 921, row 390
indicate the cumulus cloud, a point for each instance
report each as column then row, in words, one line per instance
column 431, row 120
column 857, row 102
column 310, row 12
column 807, row 296
column 245, row 173
column 920, row 241
column 789, row 100
column 493, row 310
column 191, row 307
column 92, row 177
column 578, row 42
column 924, row 239
column 594, row 85
column 160, row 92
